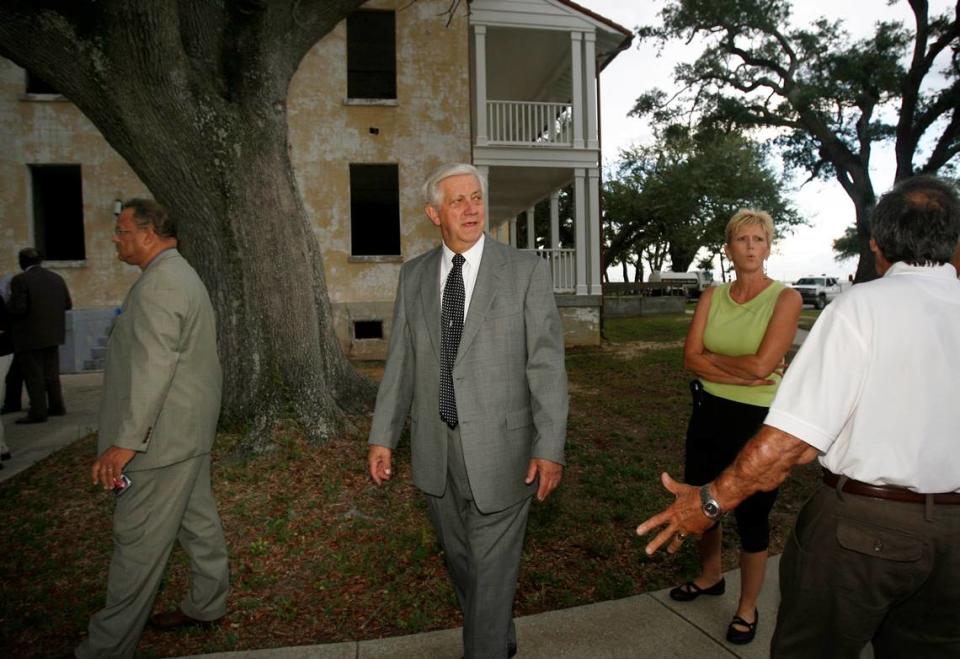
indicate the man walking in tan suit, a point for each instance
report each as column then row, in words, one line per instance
column 158, row 420
column 476, row 360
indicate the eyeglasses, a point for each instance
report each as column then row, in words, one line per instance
column 117, row 231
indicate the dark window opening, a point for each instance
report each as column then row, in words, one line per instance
column 368, row 329
column 374, row 210
column 371, row 55
column 37, row 85
column 58, row 212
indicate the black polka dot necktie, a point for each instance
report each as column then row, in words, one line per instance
column 451, row 318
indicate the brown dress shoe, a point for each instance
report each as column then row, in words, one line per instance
column 177, row 619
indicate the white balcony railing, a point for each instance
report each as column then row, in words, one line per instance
column 563, row 268
column 515, row 122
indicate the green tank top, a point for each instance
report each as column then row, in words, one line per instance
column 737, row 329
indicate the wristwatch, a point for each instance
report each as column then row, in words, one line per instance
column 709, row 505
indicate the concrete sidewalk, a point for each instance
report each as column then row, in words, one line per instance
column 644, row 626
column 31, row 443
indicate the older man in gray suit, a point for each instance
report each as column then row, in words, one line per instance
column 158, row 419
column 476, row 360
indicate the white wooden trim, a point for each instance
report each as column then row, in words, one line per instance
column 480, row 57
column 580, row 226
column 576, row 75
column 555, row 219
column 590, row 82
column 593, row 230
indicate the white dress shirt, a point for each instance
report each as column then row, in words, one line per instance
column 471, row 266
column 874, row 387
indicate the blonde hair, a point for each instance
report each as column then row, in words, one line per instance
column 749, row 217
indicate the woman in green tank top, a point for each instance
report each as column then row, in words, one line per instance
column 736, row 345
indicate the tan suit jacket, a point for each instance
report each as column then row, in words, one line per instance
column 162, row 378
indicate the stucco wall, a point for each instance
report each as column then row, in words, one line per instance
column 428, row 126
column 56, row 132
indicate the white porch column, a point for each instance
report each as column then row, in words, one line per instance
column 590, row 80
column 480, row 52
column 576, row 73
column 580, row 220
column 593, row 230
column 513, row 231
column 555, row 220
column 531, row 229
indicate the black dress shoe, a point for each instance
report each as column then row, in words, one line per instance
column 5, row 456
column 749, row 629
column 29, row 419
column 10, row 410
column 691, row 591
column 177, row 619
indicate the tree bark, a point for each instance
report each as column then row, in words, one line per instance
column 193, row 96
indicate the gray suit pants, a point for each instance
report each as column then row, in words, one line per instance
column 483, row 557
column 161, row 506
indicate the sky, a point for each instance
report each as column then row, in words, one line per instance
column 825, row 205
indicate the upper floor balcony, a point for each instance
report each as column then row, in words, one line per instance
column 534, row 74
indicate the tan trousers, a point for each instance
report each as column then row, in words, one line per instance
column 161, row 506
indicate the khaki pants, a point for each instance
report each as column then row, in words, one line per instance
column 161, row 506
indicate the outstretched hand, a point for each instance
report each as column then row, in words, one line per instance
column 684, row 517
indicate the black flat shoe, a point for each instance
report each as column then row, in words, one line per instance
column 691, row 591
column 743, row 636
column 29, row 419
column 5, row 456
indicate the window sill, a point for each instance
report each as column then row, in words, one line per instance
column 397, row 258
column 44, row 98
column 375, row 102
column 55, row 265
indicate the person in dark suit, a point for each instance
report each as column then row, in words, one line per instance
column 13, row 382
column 476, row 360
column 39, row 300
column 6, row 357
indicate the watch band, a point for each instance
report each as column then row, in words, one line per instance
column 708, row 505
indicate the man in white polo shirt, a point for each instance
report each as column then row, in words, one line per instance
column 875, row 555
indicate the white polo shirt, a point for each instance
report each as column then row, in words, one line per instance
column 876, row 385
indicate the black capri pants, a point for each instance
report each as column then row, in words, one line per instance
column 717, row 431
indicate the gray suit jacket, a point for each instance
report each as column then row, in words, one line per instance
column 509, row 376
column 162, row 379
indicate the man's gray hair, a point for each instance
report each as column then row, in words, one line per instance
column 149, row 213
column 431, row 187
column 918, row 221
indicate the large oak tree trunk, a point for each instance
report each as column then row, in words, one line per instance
column 193, row 97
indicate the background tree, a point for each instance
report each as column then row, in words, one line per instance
column 830, row 99
column 193, row 95
column 847, row 246
column 675, row 197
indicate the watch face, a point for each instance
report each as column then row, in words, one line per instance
column 708, row 504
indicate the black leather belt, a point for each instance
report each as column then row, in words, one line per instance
column 889, row 492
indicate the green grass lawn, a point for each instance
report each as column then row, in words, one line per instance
column 319, row 554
